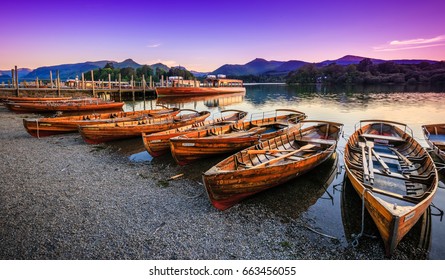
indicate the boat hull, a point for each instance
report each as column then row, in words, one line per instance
column 232, row 180
column 95, row 134
column 158, row 144
column 393, row 199
column 43, row 127
column 232, row 138
column 435, row 137
column 63, row 106
column 196, row 91
column 227, row 189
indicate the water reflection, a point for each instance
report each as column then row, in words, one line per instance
column 210, row 101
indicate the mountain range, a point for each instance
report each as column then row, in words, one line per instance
column 258, row 66
column 261, row 66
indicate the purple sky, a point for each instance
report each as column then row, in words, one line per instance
column 203, row 35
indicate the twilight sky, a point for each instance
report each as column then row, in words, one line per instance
column 203, row 35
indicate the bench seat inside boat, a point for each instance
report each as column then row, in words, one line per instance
column 383, row 137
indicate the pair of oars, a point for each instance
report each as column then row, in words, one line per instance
column 368, row 166
column 275, row 160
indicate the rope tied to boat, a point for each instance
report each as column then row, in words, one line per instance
column 358, row 236
column 440, row 214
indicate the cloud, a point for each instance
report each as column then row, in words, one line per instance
column 420, row 43
column 153, row 45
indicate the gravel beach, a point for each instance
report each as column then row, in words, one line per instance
column 63, row 199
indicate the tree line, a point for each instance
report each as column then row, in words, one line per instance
column 366, row 72
column 128, row 73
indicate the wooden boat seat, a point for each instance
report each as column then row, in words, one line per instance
column 422, row 179
column 414, row 190
column 383, row 137
column 318, row 141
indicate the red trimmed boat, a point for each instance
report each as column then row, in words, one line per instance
column 271, row 162
column 435, row 137
column 95, row 134
column 159, row 143
column 231, row 138
column 393, row 174
column 42, row 127
column 72, row 105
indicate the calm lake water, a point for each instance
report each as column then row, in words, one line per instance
column 324, row 195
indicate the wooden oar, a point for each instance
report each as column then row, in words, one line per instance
column 370, row 145
column 379, row 159
column 305, row 147
column 261, row 152
column 402, row 157
column 364, row 162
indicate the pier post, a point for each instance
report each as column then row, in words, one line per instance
column 92, row 83
column 132, row 89
column 12, row 78
column 109, row 81
column 162, row 80
column 37, row 82
column 83, row 81
column 143, row 88
column 58, row 83
column 51, row 77
column 17, row 80
column 151, row 82
column 120, row 87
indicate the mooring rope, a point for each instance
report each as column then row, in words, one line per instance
column 440, row 211
column 358, row 236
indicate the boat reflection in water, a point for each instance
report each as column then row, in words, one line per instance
column 415, row 244
column 293, row 198
column 210, row 101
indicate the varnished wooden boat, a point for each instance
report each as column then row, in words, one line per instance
column 31, row 99
column 95, row 134
column 393, row 174
column 416, row 243
column 231, row 138
column 64, row 106
column 211, row 85
column 159, row 143
column 42, row 127
column 435, row 137
column 213, row 100
column 196, row 91
column 270, row 163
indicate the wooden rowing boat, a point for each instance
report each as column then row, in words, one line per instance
column 31, row 99
column 42, row 127
column 72, row 105
column 159, row 143
column 231, row 138
column 435, row 137
column 418, row 238
column 211, row 85
column 213, row 100
column 95, row 134
column 393, row 174
column 270, row 163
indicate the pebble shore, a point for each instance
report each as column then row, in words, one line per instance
column 62, row 199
